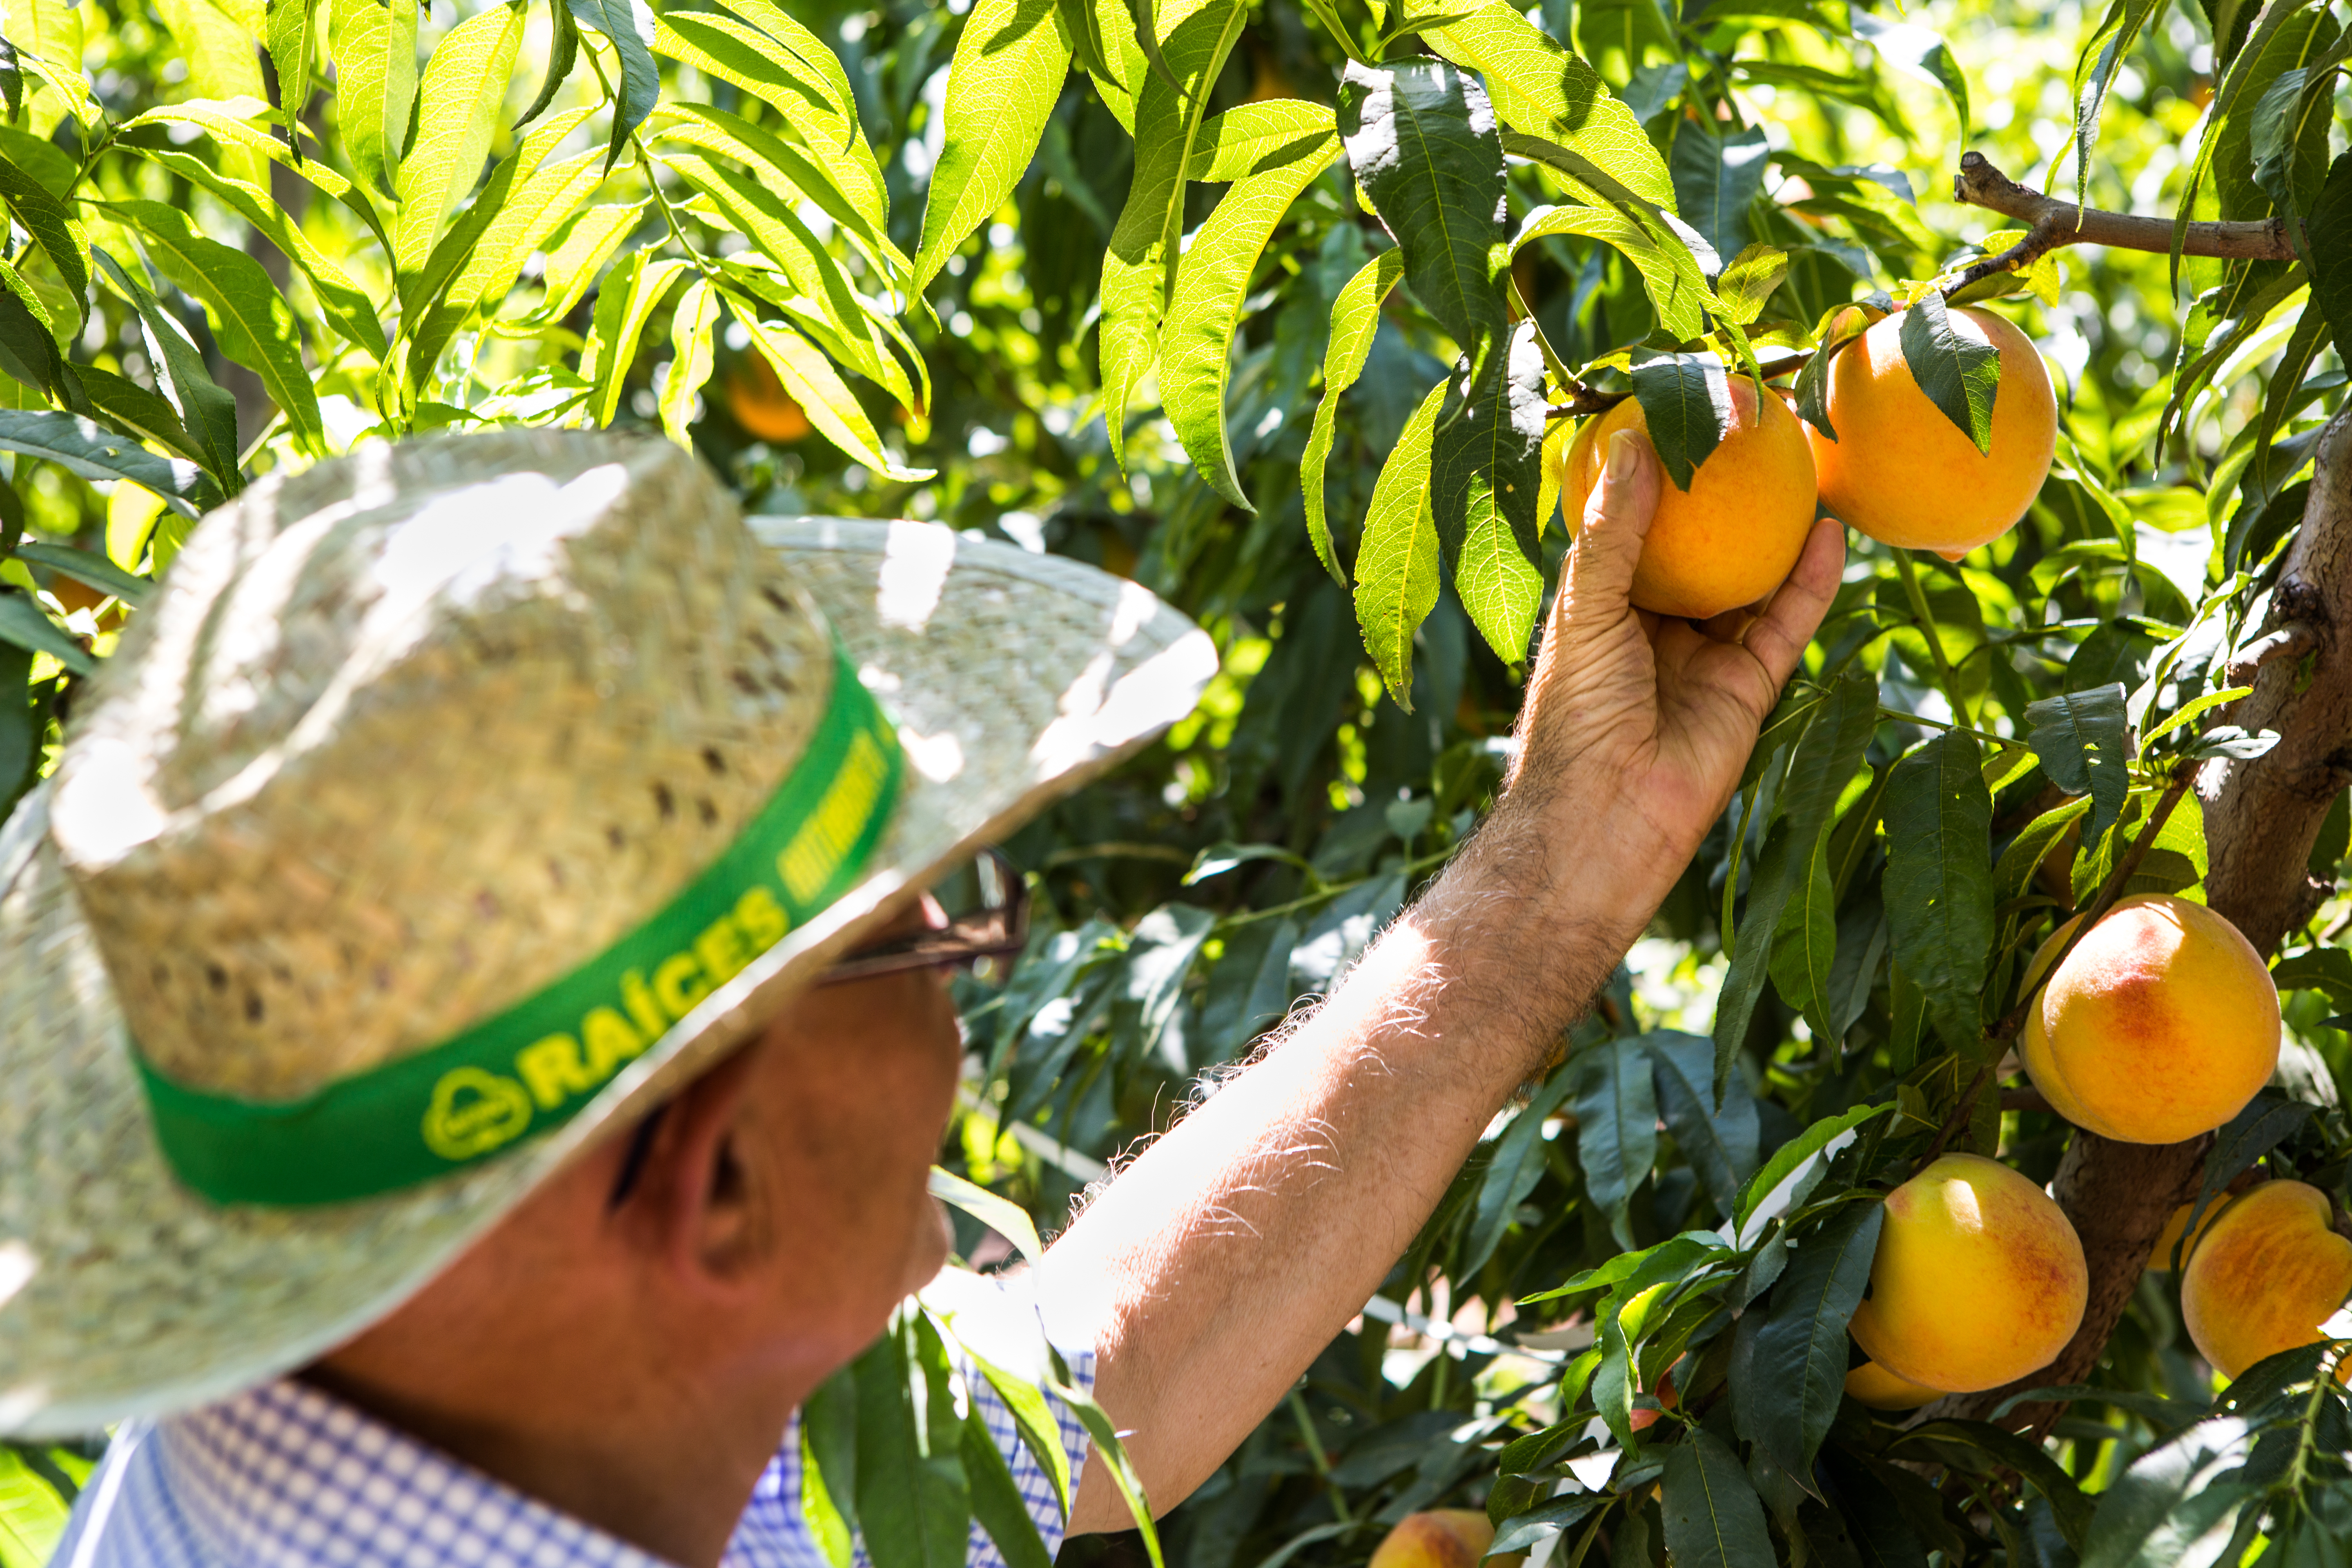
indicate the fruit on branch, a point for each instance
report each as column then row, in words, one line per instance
column 2160, row 1257
column 1979, row 1277
column 1734, row 535
column 1439, row 1538
column 1882, row 1390
column 2269, row 1272
column 2160, row 1024
column 1905, row 474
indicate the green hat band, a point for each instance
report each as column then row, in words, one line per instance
column 531, row 1068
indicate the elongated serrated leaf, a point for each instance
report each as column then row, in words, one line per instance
column 2095, row 73
column 1714, row 1125
column 84, row 567
column 1486, row 475
column 1715, row 179
column 1671, row 278
column 1239, row 141
column 83, row 447
column 1788, row 1156
column 639, row 88
column 1686, row 404
column 1516, row 1532
column 1082, row 27
column 1138, row 268
column 1916, row 50
column 1542, row 90
column 464, row 82
column 1396, row 563
column 859, row 339
column 624, row 302
column 1196, row 340
column 250, row 317
column 1713, row 1518
column 1804, row 948
column 1616, row 1127
column 127, row 406
column 2173, row 1496
column 690, row 329
column 996, row 1501
column 1355, row 320
column 1749, row 279
column 1798, row 1355
column 1953, row 363
column 913, row 1505
column 2081, row 738
column 563, row 54
column 1985, row 1448
column 291, row 25
column 1938, row 884
column 2327, row 234
column 792, row 169
column 206, row 409
column 53, row 229
column 1511, row 1174
column 23, row 623
column 1422, row 140
column 813, row 384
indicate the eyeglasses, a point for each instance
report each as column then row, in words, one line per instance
column 983, row 941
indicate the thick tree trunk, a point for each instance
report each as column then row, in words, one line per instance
column 2261, row 818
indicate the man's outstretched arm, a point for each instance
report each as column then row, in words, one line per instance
column 1218, row 1265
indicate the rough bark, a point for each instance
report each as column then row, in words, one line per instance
column 2261, row 818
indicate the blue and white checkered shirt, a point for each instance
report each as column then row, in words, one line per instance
column 286, row 1476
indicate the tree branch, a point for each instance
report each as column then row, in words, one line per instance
column 2051, row 224
column 2262, row 816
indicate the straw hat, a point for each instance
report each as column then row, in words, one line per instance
column 439, row 742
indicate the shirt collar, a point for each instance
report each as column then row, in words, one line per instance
column 288, row 1473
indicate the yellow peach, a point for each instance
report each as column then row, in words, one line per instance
column 1903, row 473
column 1979, row 1279
column 1882, row 1390
column 1438, row 1537
column 1732, row 537
column 2160, row 1257
column 2268, row 1273
column 2160, row 1024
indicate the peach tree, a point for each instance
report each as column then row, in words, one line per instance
column 1291, row 312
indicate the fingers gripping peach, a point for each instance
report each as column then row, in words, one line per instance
column 1979, row 1279
column 1438, row 1537
column 1732, row 537
column 2266, row 1274
column 2159, row 1025
column 1905, row 474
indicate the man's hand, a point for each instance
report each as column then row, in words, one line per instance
column 1635, row 729
column 1218, row 1265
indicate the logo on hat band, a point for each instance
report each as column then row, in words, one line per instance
column 534, row 1067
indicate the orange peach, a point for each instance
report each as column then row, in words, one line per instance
column 2269, row 1271
column 1882, row 1390
column 1979, row 1279
column 1903, row 473
column 1438, row 1537
column 2160, row 1257
column 2160, row 1024
column 1732, row 537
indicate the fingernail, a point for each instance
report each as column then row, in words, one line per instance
column 1623, row 456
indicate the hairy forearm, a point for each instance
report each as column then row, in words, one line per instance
column 1217, row 1266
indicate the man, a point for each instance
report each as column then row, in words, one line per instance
column 458, row 808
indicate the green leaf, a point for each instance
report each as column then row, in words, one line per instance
column 55, row 170
column 789, row 165
column 2082, row 739
column 206, row 410
column 1988, row 1450
column 465, row 82
column 912, row 1500
column 1716, row 180
column 640, row 84
column 1953, row 363
column 1916, row 50
column 81, row 447
column 1804, row 946
column 1139, row 270
column 1396, row 563
column 690, row 331
column 45, row 217
column 1798, row 1358
column 1749, row 281
column 1239, row 141
column 375, row 44
column 810, row 382
column 1204, row 311
column 1542, row 90
column 1713, row 1518
column 1616, row 1127
column 1939, row 885
column 2327, row 234
column 1355, row 322
column 24, row 624
column 127, row 406
column 250, row 317
column 1520, row 1531
column 289, row 29
column 2173, row 1496
column 1082, row 26
column 996, row 1501
column 2095, row 73
column 1714, row 1125
column 1486, row 475
column 625, row 303
column 1686, row 404
column 829, row 1466
column 1794, row 1154
column 1420, row 139
column 1511, row 1174
column 83, row 567
column 563, row 56
column 1670, row 275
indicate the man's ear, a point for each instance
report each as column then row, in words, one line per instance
column 703, row 1190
